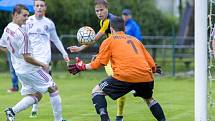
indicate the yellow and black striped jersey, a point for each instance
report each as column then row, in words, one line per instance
column 105, row 25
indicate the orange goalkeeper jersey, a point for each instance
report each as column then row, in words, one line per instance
column 130, row 61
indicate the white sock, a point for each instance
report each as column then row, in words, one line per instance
column 56, row 105
column 34, row 107
column 24, row 103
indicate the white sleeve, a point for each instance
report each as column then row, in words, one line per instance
column 55, row 39
column 3, row 40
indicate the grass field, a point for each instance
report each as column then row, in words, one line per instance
column 176, row 95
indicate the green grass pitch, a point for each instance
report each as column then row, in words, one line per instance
column 175, row 94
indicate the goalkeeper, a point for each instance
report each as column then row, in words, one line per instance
column 101, row 9
column 132, row 66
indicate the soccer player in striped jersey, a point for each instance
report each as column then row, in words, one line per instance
column 133, row 69
column 101, row 10
column 31, row 72
column 41, row 31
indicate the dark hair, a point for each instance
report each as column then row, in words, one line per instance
column 18, row 8
column 117, row 23
column 103, row 2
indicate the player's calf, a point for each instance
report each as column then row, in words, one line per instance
column 35, row 106
column 120, row 107
column 156, row 109
column 55, row 100
column 100, row 103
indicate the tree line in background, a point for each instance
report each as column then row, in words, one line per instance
column 70, row 15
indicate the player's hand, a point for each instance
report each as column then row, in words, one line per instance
column 72, row 68
column 75, row 49
column 158, row 69
column 80, row 64
column 45, row 68
column 76, row 68
column 66, row 59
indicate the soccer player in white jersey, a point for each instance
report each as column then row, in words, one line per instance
column 31, row 72
column 41, row 31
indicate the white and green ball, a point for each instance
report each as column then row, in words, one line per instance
column 86, row 35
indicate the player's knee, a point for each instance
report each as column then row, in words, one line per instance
column 38, row 95
column 52, row 89
column 97, row 91
column 148, row 101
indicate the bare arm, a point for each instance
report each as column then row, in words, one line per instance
column 28, row 58
column 55, row 39
column 82, row 47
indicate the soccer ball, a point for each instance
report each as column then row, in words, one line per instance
column 86, row 35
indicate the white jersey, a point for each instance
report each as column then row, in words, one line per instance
column 17, row 43
column 41, row 32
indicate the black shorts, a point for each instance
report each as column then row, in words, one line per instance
column 115, row 88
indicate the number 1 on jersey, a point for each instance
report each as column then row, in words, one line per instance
column 133, row 46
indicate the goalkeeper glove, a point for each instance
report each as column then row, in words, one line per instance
column 157, row 69
column 76, row 68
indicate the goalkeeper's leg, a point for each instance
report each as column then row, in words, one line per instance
column 145, row 90
column 156, row 109
column 121, row 100
column 100, row 103
column 120, row 107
